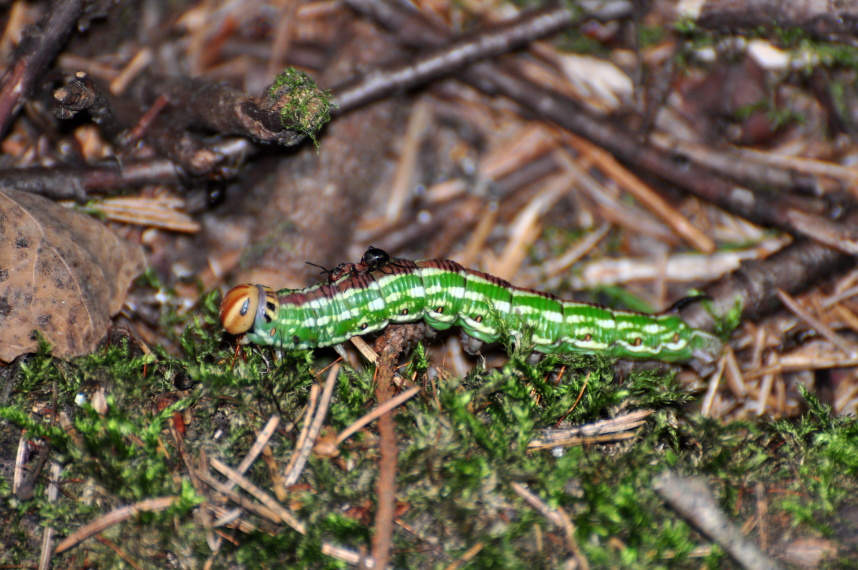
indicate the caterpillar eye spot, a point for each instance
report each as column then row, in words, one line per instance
column 588, row 337
column 439, row 310
column 638, row 341
column 270, row 306
column 267, row 317
column 296, row 340
column 404, row 311
column 244, row 307
column 478, row 318
column 363, row 326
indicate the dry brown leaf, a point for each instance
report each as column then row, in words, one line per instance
column 62, row 273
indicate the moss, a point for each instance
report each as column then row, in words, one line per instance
column 463, row 444
column 301, row 104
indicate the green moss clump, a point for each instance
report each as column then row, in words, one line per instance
column 301, row 104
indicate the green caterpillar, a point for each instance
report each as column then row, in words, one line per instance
column 369, row 296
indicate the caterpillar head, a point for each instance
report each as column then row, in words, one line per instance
column 246, row 305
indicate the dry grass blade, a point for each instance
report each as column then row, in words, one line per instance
column 417, row 123
column 238, row 499
column 306, row 448
column 556, row 516
column 466, row 557
column 238, row 479
column 577, row 251
column 377, row 412
column 282, row 513
column 308, row 421
column 524, row 229
column 707, row 404
column 601, row 431
column 48, row 537
column 260, row 443
column 819, row 326
column 645, row 195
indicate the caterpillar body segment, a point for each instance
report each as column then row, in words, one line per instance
column 445, row 294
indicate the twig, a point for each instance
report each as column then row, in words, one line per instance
column 79, row 94
column 752, row 287
column 114, row 517
column 762, row 515
column 37, row 49
column 372, row 357
column 382, row 539
column 485, row 44
column 64, row 183
column 225, row 110
column 389, row 345
column 692, row 498
column 611, row 205
column 823, row 21
column 796, row 215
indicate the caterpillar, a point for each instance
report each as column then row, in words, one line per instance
column 380, row 290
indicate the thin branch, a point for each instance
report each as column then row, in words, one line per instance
column 485, row 44
column 692, row 498
column 66, row 183
column 823, row 20
column 114, row 517
column 223, row 109
column 36, row 51
column 752, row 288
